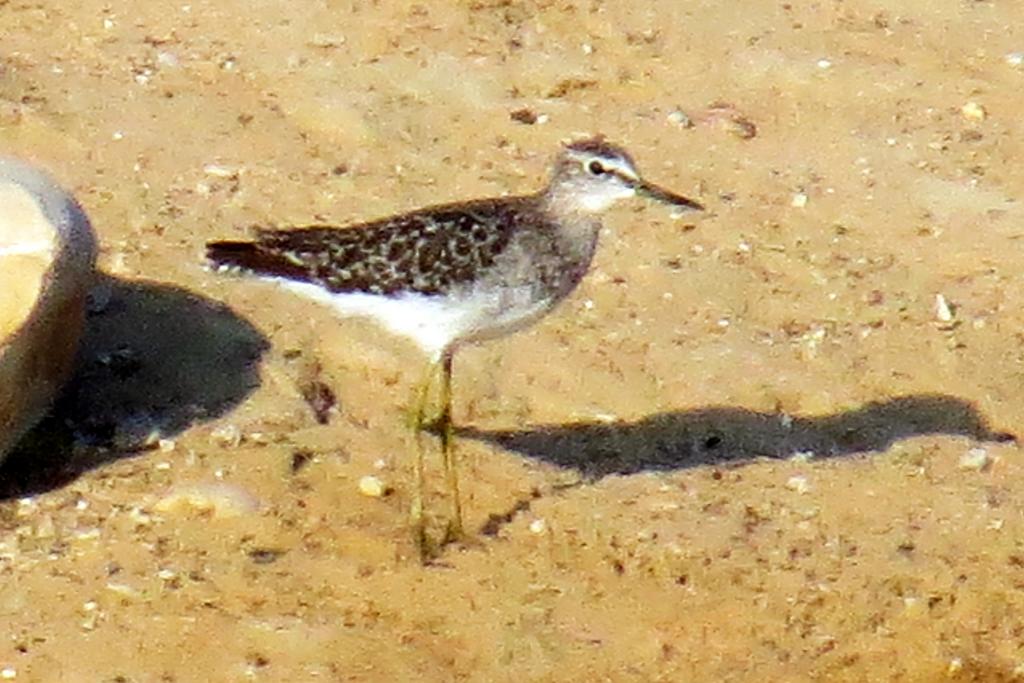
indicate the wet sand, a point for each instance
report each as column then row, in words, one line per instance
column 766, row 444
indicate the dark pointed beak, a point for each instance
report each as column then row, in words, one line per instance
column 662, row 195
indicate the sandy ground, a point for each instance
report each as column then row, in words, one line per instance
column 754, row 446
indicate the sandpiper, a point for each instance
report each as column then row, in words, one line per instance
column 455, row 273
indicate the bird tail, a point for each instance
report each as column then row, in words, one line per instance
column 232, row 254
column 248, row 256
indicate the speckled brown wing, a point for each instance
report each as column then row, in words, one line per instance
column 430, row 251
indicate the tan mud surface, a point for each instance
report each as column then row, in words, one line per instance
column 782, row 429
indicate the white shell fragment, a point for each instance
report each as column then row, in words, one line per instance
column 47, row 261
column 220, row 171
column 976, row 459
column 943, row 312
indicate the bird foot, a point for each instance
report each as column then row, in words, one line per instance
column 453, row 533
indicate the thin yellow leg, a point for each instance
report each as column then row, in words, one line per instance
column 416, row 520
column 448, row 455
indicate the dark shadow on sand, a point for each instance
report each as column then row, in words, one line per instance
column 722, row 435
column 153, row 361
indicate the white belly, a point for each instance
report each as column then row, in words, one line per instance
column 434, row 322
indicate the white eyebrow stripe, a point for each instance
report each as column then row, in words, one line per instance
column 621, row 170
column 618, row 166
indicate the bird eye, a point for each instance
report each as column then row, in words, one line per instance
column 596, row 168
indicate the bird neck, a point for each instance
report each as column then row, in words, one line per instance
column 564, row 210
column 568, row 200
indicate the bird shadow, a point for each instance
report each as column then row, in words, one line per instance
column 153, row 360
column 726, row 435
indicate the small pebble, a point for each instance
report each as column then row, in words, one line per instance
column 956, row 665
column 118, row 264
column 976, row 459
column 741, row 127
column 45, row 528
column 524, row 115
column 327, row 40
column 680, row 119
column 227, row 435
column 538, row 526
column 8, row 672
column 140, row 517
column 168, row 59
column 799, row 200
column 1015, row 58
column 972, row 111
column 798, row 483
column 219, row 499
column 371, row 486
column 265, row 555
